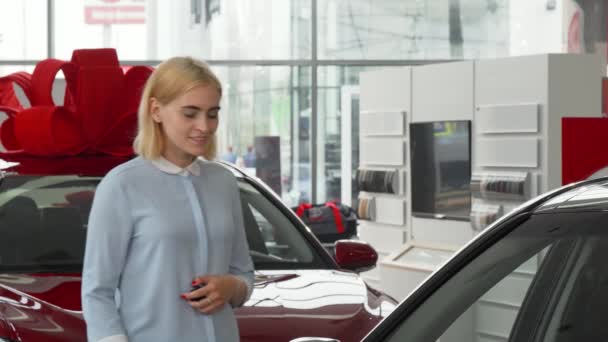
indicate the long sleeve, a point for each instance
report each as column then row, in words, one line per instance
column 241, row 264
column 109, row 232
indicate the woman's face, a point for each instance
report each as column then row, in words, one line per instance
column 188, row 123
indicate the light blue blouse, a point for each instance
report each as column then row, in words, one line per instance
column 151, row 231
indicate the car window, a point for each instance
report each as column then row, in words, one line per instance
column 492, row 316
column 43, row 219
column 43, row 222
column 544, row 281
column 272, row 237
column 581, row 300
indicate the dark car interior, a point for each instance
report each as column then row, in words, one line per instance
column 584, row 314
column 46, row 225
column 52, row 233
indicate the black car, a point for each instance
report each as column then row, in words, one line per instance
column 538, row 274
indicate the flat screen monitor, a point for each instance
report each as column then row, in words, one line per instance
column 440, row 155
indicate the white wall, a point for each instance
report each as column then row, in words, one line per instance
column 22, row 24
column 386, row 89
column 442, row 92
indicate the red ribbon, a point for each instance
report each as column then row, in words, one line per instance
column 302, row 208
column 337, row 216
column 98, row 116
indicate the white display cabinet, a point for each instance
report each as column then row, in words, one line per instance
column 383, row 164
column 442, row 92
column 519, row 106
column 515, row 106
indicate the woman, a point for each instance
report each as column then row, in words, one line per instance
column 167, row 221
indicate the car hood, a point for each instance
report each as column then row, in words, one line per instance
column 284, row 305
column 322, row 303
column 41, row 307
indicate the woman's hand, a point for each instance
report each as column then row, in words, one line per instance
column 216, row 292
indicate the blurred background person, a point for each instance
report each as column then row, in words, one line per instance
column 249, row 157
column 229, row 156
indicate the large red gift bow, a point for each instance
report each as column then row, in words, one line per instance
column 99, row 114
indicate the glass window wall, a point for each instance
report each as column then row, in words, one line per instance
column 264, row 126
column 291, row 67
column 212, row 30
column 396, row 29
column 23, row 30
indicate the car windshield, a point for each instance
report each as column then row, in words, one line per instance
column 43, row 222
column 544, row 281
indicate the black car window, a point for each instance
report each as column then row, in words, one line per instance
column 269, row 240
column 543, row 281
column 581, row 302
column 43, row 221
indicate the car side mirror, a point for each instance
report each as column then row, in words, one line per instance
column 355, row 255
column 314, row 339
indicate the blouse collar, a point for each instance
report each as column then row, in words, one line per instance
column 168, row 167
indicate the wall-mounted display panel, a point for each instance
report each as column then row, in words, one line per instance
column 508, row 152
column 382, row 151
column 385, row 239
column 382, row 123
column 441, row 169
column 443, row 91
column 390, row 210
column 518, row 118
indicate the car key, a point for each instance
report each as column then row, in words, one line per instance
column 196, row 287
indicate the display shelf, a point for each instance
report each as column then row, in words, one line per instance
column 390, row 181
column 382, row 209
column 389, row 210
column 508, row 152
column 366, row 208
column 501, row 185
column 386, row 111
column 384, row 238
column 383, row 123
column 508, row 118
column 382, row 151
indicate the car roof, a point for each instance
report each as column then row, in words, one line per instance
column 75, row 165
column 589, row 195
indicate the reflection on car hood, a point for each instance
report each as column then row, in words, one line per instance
column 284, row 305
column 42, row 307
column 325, row 303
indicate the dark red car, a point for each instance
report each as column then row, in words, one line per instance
column 300, row 289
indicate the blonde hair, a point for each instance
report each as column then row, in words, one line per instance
column 171, row 79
